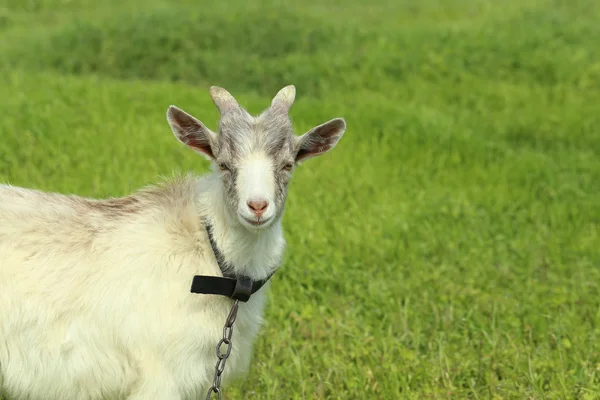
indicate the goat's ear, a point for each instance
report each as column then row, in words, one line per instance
column 320, row 139
column 191, row 132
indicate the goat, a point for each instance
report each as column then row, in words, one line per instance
column 95, row 298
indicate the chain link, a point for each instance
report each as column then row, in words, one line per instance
column 222, row 356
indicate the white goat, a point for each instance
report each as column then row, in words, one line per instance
column 95, row 298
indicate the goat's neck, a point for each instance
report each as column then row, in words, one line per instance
column 253, row 253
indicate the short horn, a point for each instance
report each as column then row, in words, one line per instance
column 284, row 98
column 224, row 101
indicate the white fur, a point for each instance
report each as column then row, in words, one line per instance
column 256, row 182
column 96, row 304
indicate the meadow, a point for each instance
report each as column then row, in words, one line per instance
column 447, row 248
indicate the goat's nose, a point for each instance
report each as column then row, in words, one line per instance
column 258, row 206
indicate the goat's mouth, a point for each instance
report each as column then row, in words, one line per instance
column 257, row 222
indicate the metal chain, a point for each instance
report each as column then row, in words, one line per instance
column 222, row 356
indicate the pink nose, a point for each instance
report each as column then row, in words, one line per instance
column 258, row 207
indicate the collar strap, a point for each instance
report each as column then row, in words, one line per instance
column 238, row 289
column 229, row 285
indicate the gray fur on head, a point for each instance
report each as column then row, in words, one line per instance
column 255, row 156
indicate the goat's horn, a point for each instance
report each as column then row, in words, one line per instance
column 284, row 99
column 224, row 101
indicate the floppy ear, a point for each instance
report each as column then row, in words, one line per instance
column 320, row 139
column 191, row 132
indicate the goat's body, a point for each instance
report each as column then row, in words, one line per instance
column 95, row 299
column 95, row 295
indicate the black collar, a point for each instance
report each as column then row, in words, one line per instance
column 237, row 287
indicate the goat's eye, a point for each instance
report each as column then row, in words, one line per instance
column 287, row 167
column 223, row 167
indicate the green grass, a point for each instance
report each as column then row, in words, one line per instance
column 448, row 248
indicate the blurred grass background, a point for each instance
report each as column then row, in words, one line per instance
column 446, row 249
